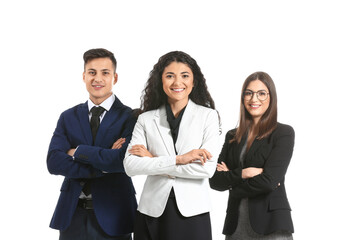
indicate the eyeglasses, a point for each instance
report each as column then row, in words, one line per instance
column 261, row 95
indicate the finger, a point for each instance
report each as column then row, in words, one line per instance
column 135, row 147
column 203, row 155
column 120, row 140
column 208, row 154
column 116, row 146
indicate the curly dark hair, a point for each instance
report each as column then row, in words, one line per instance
column 153, row 96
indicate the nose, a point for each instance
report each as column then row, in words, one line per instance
column 177, row 80
column 97, row 78
column 254, row 97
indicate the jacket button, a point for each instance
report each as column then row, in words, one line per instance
column 82, row 183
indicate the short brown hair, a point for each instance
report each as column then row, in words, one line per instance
column 99, row 53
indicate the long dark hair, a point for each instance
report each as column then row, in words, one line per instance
column 153, row 96
column 268, row 120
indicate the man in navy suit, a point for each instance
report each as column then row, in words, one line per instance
column 97, row 199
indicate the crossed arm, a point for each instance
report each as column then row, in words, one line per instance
column 87, row 161
column 197, row 163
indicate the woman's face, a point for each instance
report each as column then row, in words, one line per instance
column 178, row 82
column 256, row 99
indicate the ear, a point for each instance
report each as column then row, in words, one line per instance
column 83, row 76
column 115, row 78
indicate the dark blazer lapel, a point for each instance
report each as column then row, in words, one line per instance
column 110, row 117
column 185, row 125
column 83, row 115
column 164, row 129
column 236, row 151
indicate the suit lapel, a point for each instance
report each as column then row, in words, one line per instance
column 110, row 117
column 164, row 129
column 185, row 124
column 237, row 151
column 83, row 115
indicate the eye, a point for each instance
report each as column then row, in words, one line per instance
column 262, row 93
column 185, row 76
column 169, row 76
column 106, row 73
column 247, row 93
column 92, row 72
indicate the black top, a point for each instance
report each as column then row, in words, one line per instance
column 174, row 127
column 174, row 122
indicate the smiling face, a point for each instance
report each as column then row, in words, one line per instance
column 99, row 77
column 178, row 82
column 254, row 106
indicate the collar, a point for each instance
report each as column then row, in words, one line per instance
column 105, row 104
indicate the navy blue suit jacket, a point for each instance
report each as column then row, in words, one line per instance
column 112, row 190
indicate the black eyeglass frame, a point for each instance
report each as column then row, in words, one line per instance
column 257, row 95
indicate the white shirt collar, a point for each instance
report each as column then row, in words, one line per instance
column 105, row 104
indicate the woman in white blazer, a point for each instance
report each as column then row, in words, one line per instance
column 175, row 143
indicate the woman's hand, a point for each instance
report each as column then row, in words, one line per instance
column 140, row 151
column 197, row 154
column 251, row 172
column 118, row 144
column 221, row 167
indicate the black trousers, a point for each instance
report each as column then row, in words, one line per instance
column 84, row 226
column 171, row 225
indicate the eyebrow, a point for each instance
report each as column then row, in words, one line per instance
column 174, row 73
column 103, row 70
column 255, row 91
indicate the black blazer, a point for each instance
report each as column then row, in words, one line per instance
column 269, row 209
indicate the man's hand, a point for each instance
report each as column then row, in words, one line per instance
column 118, row 144
column 71, row 152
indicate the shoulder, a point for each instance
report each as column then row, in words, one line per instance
column 283, row 130
column 147, row 115
column 205, row 112
column 74, row 109
column 119, row 106
column 230, row 134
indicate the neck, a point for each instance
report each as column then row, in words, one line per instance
column 98, row 101
column 177, row 106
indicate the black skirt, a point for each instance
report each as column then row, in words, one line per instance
column 171, row 225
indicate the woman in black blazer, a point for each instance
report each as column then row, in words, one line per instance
column 252, row 166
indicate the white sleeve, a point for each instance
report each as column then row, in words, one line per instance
column 211, row 144
column 135, row 165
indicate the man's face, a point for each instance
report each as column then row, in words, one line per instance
column 99, row 77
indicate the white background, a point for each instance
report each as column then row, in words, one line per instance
column 310, row 48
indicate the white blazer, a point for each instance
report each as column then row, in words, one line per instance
column 199, row 128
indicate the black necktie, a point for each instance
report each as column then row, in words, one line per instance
column 95, row 120
column 94, row 124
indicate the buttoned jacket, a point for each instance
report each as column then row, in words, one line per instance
column 199, row 129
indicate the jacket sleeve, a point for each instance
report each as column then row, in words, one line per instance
column 60, row 163
column 135, row 165
column 274, row 168
column 107, row 160
column 225, row 180
column 211, row 143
